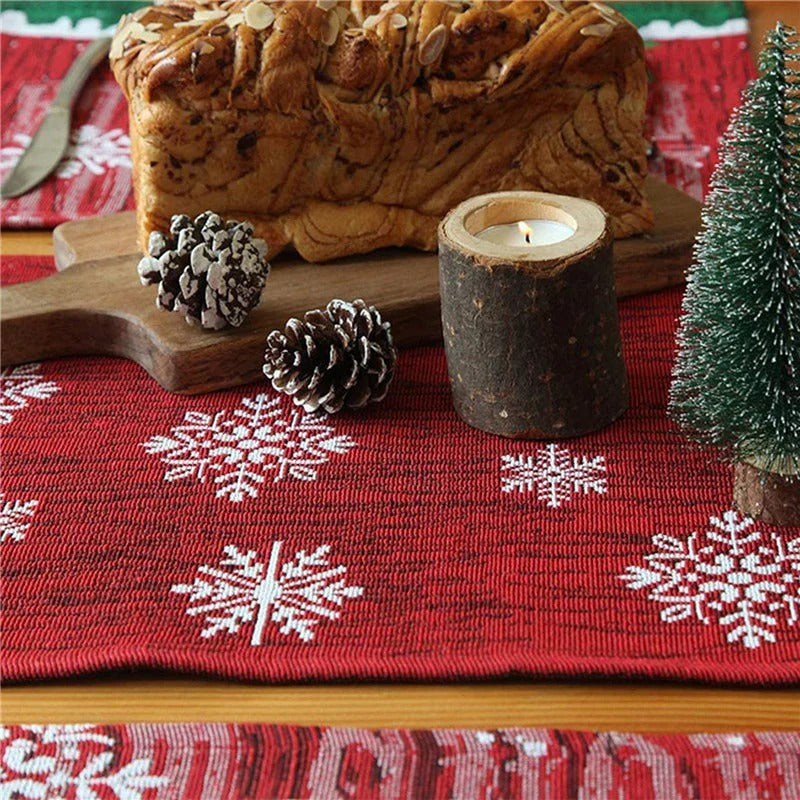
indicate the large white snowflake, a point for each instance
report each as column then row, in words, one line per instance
column 15, row 518
column 55, row 761
column 554, row 474
column 20, row 385
column 294, row 594
column 730, row 575
column 242, row 449
column 89, row 148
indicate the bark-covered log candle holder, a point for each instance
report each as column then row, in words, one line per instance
column 531, row 331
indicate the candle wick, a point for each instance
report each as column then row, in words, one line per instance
column 528, row 238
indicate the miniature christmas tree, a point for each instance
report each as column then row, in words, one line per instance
column 736, row 382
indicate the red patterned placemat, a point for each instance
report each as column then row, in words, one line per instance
column 227, row 762
column 234, row 535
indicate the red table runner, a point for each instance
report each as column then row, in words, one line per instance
column 227, row 762
column 232, row 534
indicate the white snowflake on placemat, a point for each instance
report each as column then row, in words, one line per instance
column 294, row 594
column 731, row 575
column 241, row 450
column 20, row 385
column 554, row 474
column 89, row 148
column 15, row 518
column 78, row 761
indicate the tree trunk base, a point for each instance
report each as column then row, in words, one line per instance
column 767, row 496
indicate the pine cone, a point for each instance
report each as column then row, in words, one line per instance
column 213, row 272
column 340, row 356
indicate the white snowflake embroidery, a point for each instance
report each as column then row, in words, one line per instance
column 243, row 590
column 19, row 385
column 554, row 474
column 242, row 449
column 15, row 518
column 56, row 760
column 89, row 148
column 730, row 575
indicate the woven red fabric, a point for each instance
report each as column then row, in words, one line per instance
column 232, row 534
column 94, row 177
column 228, row 762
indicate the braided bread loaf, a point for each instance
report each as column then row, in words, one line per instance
column 341, row 127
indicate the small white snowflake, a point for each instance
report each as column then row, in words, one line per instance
column 38, row 761
column 554, row 474
column 533, row 748
column 294, row 594
column 730, row 575
column 244, row 448
column 89, row 148
column 15, row 518
column 20, row 385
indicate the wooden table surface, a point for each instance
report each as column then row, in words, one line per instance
column 638, row 707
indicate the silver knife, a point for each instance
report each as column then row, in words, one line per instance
column 51, row 139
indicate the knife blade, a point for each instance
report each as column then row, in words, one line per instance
column 51, row 139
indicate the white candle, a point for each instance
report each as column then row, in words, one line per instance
column 527, row 233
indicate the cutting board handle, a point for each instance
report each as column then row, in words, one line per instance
column 78, row 311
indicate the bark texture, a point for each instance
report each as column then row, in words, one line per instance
column 531, row 355
column 767, row 496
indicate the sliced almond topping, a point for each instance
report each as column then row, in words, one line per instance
column 234, row 19
column 205, row 49
column 357, row 9
column 118, row 42
column 598, row 29
column 154, row 26
column 373, row 20
column 188, row 23
column 259, row 16
column 399, row 21
column 326, row 5
column 433, row 45
column 604, row 9
column 147, row 36
column 208, row 14
column 557, row 5
column 607, row 13
column 343, row 13
column 330, row 28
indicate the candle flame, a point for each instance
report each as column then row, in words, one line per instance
column 525, row 230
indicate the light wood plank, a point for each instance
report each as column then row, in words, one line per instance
column 764, row 13
column 26, row 243
column 654, row 708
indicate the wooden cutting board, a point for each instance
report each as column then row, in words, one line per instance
column 96, row 306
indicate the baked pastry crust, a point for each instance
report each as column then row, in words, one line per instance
column 346, row 147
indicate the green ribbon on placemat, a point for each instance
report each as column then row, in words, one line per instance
column 710, row 18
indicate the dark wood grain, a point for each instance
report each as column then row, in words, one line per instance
column 96, row 306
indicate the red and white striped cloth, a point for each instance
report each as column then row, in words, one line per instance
column 233, row 762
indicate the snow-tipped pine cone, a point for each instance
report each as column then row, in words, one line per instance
column 338, row 357
column 209, row 270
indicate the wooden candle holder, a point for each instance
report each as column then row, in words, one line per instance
column 531, row 333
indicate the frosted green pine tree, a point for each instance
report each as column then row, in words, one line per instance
column 736, row 382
